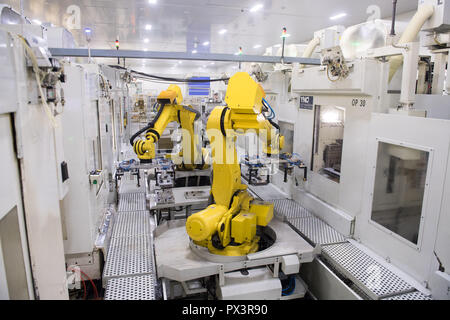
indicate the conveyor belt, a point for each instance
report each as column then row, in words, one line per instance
column 129, row 184
column 132, row 202
column 131, row 288
column 129, row 272
column 304, row 222
column 416, row 295
column 371, row 277
column 267, row 193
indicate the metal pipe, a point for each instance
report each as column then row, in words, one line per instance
column 312, row 45
column 135, row 54
column 424, row 12
column 394, row 15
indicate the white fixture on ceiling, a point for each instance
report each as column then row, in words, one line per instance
column 152, row 1
column 146, row 40
column 257, row 7
column 194, row 51
column 338, row 16
column 148, row 27
column 257, row 46
column 223, row 31
column 206, row 43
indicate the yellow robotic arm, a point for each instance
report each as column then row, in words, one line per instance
column 229, row 226
column 171, row 110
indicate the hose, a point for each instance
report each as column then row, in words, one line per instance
column 151, row 125
column 197, row 113
column 267, row 105
column 146, row 75
column 274, row 124
column 423, row 14
column 37, row 72
column 312, row 45
column 123, row 166
column 291, row 288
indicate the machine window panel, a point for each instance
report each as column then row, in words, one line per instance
column 398, row 197
column 287, row 131
column 328, row 141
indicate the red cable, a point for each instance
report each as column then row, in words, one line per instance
column 84, row 286
column 92, row 282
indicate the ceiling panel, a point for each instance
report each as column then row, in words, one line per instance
column 184, row 25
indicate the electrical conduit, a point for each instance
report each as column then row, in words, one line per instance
column 422, row 15
column 310, row 49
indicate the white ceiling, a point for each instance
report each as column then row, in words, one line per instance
column 182, row 25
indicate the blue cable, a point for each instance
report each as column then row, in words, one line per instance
column 290, row 289
column 126, row 168
column 273, row 114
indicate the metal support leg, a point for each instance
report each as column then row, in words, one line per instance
column 188, row 211
column 439, row 73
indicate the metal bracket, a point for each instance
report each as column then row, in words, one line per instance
column 221, row 275
column 276, row 267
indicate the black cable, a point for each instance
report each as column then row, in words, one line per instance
column 274, row 124
column 151, row 125
column 146, row 75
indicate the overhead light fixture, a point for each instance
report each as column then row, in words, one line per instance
column 146, row 40
column 148, row 27
column 338, row 16
column 206, row 43
column 180, row 62
column 257, row 7
column 194, row 51
column 212, row 63
column 152, row 1
column 36, row 21
column 223, row 31
column 257, row 46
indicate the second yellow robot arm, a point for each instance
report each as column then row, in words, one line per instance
column 171, row 110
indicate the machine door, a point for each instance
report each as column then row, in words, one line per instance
column 15, row 272
column 405, row 175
